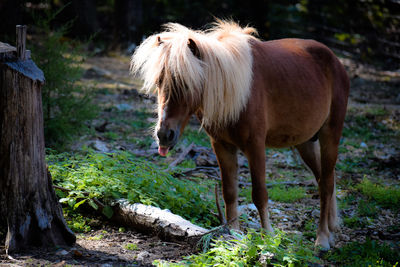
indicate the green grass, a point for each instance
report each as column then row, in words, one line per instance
column 310, row 228
column 131, row 246
column 367, row 126
column 287, row 195
column 122, row 175
column 386, row 196
column 349, row 200
column 367, row 208
column 111, row 135
column 278, row 193
column 353, row 164
column 144, row 142
column 356, row 222
column 187, row 164
column 370, row 253
column 199, row 138
column 140, row 122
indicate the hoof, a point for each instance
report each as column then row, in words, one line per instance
column 331, row 240
column 322, row 242
column 234, row 225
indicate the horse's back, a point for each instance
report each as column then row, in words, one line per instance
column 294, row 81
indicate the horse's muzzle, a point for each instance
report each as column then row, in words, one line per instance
column 167, row 139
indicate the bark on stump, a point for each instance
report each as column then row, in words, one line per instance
column 29, row 208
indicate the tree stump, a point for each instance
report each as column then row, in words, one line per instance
column 29, row 208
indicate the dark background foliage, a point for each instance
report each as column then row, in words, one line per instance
column 367, row 30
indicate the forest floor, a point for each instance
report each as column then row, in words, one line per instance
column 370, row 151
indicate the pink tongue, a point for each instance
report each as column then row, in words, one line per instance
column 162, row 151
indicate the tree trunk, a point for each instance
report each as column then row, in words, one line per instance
column 28, row 205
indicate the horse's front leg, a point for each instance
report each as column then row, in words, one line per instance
column 227, row 161
column 256, row 156
column 329, row 141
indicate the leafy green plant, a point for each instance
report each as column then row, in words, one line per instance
column 66, row 105
column 122, row 175
column 76, row 222
column 253, row 249
column 370, row 253
column 386, row 196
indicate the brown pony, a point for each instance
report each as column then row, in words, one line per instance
column 250, row 95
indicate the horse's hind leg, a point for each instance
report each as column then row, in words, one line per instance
column 311, row 155
column 227, row 161
column 329, row 142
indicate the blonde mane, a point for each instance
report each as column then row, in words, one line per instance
column 219, row 78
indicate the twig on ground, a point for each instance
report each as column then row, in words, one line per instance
column 222, row 226
column 180, row 158
column 220, row 213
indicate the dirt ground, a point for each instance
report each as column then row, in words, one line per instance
column 104, row 247
column 109, row 245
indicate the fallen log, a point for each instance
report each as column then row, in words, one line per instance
column 163, row 223
column 149, row 219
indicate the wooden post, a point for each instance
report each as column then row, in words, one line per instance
column 20, row 42
column 29, row 208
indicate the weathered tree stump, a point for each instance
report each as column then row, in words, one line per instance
column 29, row 208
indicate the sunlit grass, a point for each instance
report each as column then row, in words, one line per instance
column 386, row 196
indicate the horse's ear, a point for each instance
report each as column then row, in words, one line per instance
column 193, row 47
column 159, row 41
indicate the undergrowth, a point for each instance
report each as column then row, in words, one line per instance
column 254, row 249
column 370, row 253
column 108, row 177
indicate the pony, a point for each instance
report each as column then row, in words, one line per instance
column 249, row 95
